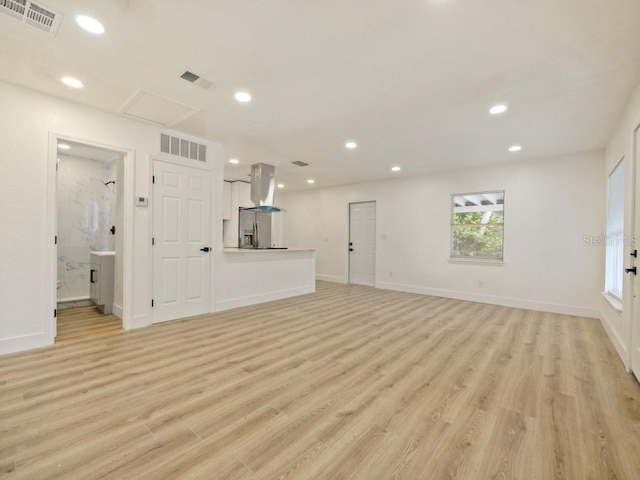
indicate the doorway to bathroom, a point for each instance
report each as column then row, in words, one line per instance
column 89, row 240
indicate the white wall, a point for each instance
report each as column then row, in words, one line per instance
column 550, row 205
column 618, row 324
column 25, row 124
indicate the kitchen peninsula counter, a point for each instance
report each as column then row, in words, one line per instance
column 265, row 250
column 246, row 276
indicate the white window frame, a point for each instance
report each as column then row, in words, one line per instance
column 469, row 259
column 614, row 255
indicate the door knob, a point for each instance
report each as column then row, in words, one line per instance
column 631, row 270
column 205, row 249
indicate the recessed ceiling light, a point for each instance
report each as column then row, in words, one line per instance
column 63, row 146
column 234, row 161
column 90, row 24
column 243, row 97
column 311, row 180
column 395, row 169
column 281, row 185
column 351, row 145
column 497, row 109
column 515, row 148
column 72, row 82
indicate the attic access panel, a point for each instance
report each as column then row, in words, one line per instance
column 157, row 109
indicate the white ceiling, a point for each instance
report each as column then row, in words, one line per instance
column 411, row 81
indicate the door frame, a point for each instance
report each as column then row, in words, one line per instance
column 203, row 166
column 51, row 230
column 633, row 304
column 375, row 243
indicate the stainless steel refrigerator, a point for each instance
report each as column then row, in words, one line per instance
column 254, row 229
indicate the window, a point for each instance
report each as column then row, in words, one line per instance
column 477, row 226
column 615, row 233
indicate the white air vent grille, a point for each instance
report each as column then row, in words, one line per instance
column 31, row 13
column 196, row 79
column 181, row 147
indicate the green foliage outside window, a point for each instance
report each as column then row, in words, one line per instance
column 478, row 235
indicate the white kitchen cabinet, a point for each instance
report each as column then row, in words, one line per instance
column 226, row 200
column 276, row 229
column 240, row 197
column 244, row 194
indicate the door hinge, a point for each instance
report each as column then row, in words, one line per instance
column 55, row 312
column 153, row 241
column 55, row 240
column 152, row 302
column 153, row 179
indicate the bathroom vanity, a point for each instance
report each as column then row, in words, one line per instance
column 101, row 280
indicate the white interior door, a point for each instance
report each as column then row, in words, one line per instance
column 635, row 280
column 362, row 243
column 181, row 251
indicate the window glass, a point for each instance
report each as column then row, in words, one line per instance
column 477, row 226
column 614, row 266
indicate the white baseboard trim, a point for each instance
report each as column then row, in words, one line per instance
column 330, row 278
column 118, row 311
column 73, row 299
column 494, row 300
column 26, row 342
column 615, row 339
column 138, row 321
column 64, row 305
column 222, row 305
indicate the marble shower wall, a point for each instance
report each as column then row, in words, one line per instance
column 86, row 212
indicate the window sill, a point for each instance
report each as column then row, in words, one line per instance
column 613, row 301
column 473, row 261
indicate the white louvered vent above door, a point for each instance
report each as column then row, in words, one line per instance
column 181, row 147
column 32, row 13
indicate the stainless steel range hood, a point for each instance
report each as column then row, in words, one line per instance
column 263, row 186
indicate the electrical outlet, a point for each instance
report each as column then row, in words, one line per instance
column 390, row 274
column 481, row 284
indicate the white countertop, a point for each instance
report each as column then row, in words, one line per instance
column 265, row 250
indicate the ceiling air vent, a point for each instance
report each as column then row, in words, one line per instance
column 32, row 13
column 195, row 79
column 299, row 163
column 181, row 147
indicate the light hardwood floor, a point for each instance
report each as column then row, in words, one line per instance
column 349, row 382
column 84, row 321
